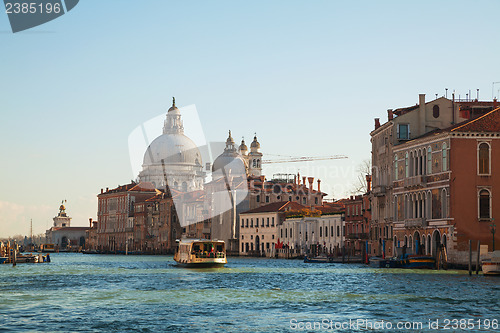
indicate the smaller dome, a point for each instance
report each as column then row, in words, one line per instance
column 243, row 147
column 229, row 140
column 255, row 143
column 173, row 108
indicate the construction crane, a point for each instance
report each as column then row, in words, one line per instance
column 302, row 158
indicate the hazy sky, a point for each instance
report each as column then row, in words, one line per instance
column 307, row 76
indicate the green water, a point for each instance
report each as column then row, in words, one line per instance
column 95, row 293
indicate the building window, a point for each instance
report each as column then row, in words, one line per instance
column 286, row 233
column 267, row 198
column 289, row 198
column 395, row 167
column 484, row 159
column 326, row 231
column 444, row 204
column 316, row 200
column 484, row 204
column 246, row 224
column 242, row 236
column 272, row 236
column 331, row 231
column 262, row 223
column 429, row 160
column 272, row 222
column 338, row 231
column 403, row 132
column 304, row 200
column 267, row 222
column 258, row 198
column 435, row 111
column 242, row 223
column 445, row 156
column 290, row 232
column 251, row 223
column 407, row 168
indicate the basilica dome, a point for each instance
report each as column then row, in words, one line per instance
column 173, row 159
column 172, row 149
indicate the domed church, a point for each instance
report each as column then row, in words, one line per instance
column 173, row 159
column 252, row 161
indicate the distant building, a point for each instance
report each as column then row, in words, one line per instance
column 313, row 235
column 63, row 235
column 115, row 229
column 259, row 227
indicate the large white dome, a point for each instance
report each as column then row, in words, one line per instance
column 172, row 149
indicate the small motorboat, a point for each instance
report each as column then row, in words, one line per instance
column 491, row 264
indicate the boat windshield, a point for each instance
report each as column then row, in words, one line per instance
column 208, row 250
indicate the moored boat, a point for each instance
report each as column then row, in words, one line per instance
column 491, row 265
column 47, row 248
column 322, row 259
column 200, row 253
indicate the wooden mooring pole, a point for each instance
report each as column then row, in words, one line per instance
column 470, row 257
column 477, row 257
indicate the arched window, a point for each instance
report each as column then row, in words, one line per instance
column 444, row 204
column 435, row 111
column 429, row 160
column 254, row 163
column 484, row 159
column 407, row 169
column 484, row 204
column 395, row 167
column 258, row 163
column 445, row 157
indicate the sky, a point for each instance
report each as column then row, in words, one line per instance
column 307, row 76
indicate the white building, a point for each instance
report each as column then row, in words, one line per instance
column 63, row 235
column 259, row 227
column 322, row 234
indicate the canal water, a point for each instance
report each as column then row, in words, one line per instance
column 96, row 293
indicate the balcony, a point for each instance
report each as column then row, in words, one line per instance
column 379, row 190
column 416, row 181
column 416, row 223
column 358, row 235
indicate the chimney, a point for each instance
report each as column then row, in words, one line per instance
column 90, row 222
column 304, row 180
column 368, row 183
column 319, row 185
column 107, row 189
column 311, row 180
column 298, row 178
column 377, row 123
column 421, row 102
column 102, row 191
column 494, row 103
column 390, row 115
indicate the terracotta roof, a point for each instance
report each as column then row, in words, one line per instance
column 280, row 206
column 490, row 122
column 70, row 228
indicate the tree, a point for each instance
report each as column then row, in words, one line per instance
column 360, row 185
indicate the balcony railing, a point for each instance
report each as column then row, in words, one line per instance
column 379, row 190
column 415, row 181
column 359, row 235
column 416, row 223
